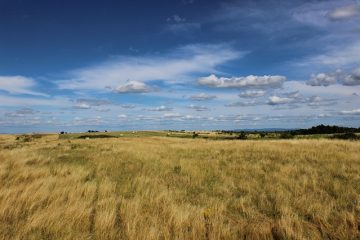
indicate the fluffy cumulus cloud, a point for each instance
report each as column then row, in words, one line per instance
column 133, row 87
column 252, row 94
column 322, row 79
column 295, row 100
column 18, row 85
column 325, row 79
column 242, row 82
column 353, row 78
column 275, row 100
column 289, row 100
column 130, row 74
column 202, row 97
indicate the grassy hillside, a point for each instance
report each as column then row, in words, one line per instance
column 160, row 187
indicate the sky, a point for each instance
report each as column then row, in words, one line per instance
column 178, row 64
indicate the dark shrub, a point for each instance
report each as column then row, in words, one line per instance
column 286, row 135
column 242, row 136
column 346, row 136
column 177, row 169
column 96, row 136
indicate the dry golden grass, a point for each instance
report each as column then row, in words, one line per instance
column 169, row 188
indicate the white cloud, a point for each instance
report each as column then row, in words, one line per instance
column 179, row 25
column 176, row 18
column 182, row 28
column 244, row 104
column 351, row 112
column 83, row 103
column 128, row 106
column 202, row 97
column 295, row 94
column 21, row 112
column 338, row 56
column 295, row 100
column 322, row 13
column 161, row 109
column 312, row 13
column 31, row 101
column 172, row 115
column 198, row 108
column 122, row 116
column 344, row 13
column 326, row 79
column 178, row 65
column 82, row 106
column 19, row 85
column 275, row 100
column 252, row 94
column 353, row 78
column 242, row 82
column 322, row 79
column 133, row 87
column 93, row 102
column 330, row 91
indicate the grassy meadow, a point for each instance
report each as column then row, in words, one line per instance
column 161, row 186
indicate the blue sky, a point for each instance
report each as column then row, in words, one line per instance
column 180, row 64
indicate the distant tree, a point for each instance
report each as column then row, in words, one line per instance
column 242, row 136
column 286, row 135
column 325, row 129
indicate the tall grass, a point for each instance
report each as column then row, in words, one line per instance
column 172, row 188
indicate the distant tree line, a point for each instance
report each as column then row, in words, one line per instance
column 325, row 129
column 320, row 129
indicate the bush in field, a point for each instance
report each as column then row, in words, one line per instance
column 96, row 136
column 177, row 169
column 242, row 136
column 28, row 138
column 195, row 135
column 346, row 136
column 286, row 135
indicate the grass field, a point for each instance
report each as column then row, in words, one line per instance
column 159, row 187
